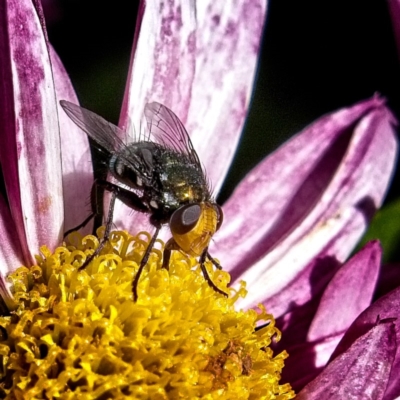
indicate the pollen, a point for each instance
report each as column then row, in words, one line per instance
column 79, row 334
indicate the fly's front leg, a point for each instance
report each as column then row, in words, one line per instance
column 214, row 261
column 169, row 246
column 129, row 198
column 203, row 257
column 172, row 245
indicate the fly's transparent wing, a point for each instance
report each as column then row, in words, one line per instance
column 169, row 131
column 106, row 136
column 104, row 133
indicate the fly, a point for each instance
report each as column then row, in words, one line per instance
column 164, row 178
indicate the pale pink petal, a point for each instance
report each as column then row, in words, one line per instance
column 348, row 294
column 385, row 308
column 30, row 151
column 77, row 170
column 10, row 253
column 362, row 372
column 199, row 59
column 308, row 202
column 10, row 249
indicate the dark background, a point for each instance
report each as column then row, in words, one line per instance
column 317, row 56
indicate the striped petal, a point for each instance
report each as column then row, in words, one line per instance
column 306, row 204
column 362, row 372
column 385, row 308
column 199, row 59
column 10, row 249
column 77, row 170
column 30, row 151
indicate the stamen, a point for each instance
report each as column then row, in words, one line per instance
column 79, row 334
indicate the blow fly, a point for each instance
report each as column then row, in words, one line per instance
column 162, row 176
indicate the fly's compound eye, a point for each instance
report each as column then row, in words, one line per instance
column 185, row 218
column 220, row 215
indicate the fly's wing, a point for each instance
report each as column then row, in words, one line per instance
column 169, row 131
column 104, row 133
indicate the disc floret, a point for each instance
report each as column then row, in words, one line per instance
column 79, row 333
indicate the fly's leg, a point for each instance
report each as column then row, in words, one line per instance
column 80, row 226
column 172, row 245
column 106, row 234
column 129, row 198
column 169, row 246
column 214, row 261
column 143, row 262
column 95, row 205
column 203, row 257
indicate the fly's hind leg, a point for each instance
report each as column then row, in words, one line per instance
column 106, row 234
column 95, row 206
column 129, row 198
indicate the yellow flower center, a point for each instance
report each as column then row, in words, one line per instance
column 78, row 334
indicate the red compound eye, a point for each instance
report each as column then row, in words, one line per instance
column 185, row 218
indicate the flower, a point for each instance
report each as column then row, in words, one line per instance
column 321, row 324
column 66, row 336
column 290, row 224
column 80, row 334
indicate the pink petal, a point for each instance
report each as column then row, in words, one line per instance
column 10, row 249
column 348, row 294
column 308, row 202
column 30, row 151
column 10, row 253
column 394, row 8
column 362, row 372
column 307, row 360
column 199, row 59
column 299, row 318
column 387, row 307
column 77, row 170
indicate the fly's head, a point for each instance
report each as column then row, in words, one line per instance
column 193, row 225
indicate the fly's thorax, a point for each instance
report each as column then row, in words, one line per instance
column 193, row 225
column 180, row 181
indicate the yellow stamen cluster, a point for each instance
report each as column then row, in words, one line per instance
column 79, row 335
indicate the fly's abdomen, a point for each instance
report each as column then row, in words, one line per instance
column 135, row 165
